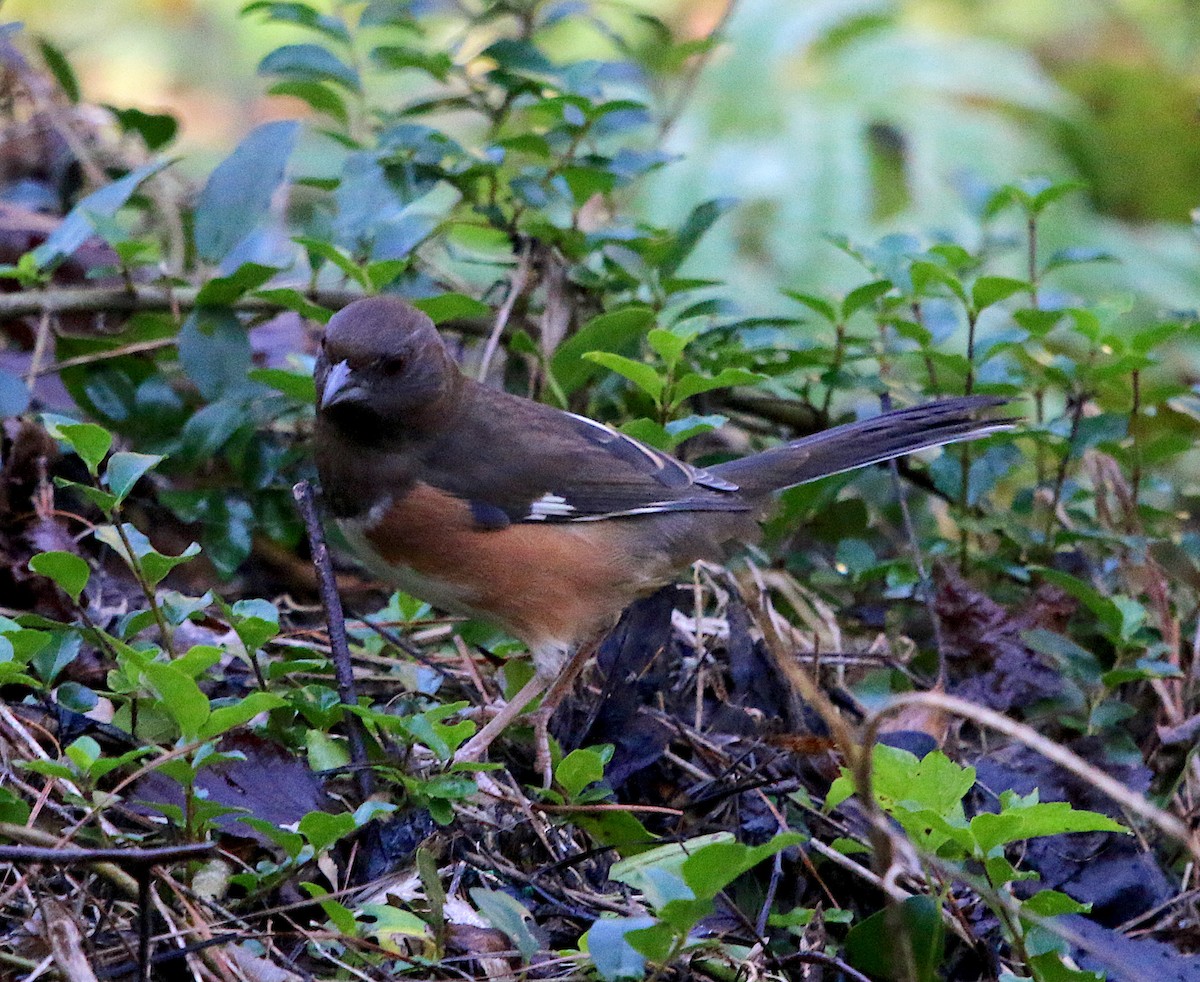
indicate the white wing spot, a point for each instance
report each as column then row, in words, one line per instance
column 550, row 506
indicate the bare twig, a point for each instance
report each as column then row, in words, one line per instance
column 516, row 286
column 338, row 643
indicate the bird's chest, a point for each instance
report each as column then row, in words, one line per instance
column 408, row 555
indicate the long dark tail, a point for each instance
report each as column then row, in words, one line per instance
column 867, row 441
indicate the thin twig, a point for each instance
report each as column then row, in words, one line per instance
column 338, row 644
column 132, row 857
column 516, row 286
column 120, row 299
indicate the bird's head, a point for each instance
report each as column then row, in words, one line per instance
column 383, row 371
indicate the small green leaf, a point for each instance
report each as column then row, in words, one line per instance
column 225, row 718
column 154, row 565
column 613, row 955
column 1051, row 903
column 89, row 441
column 582, row 767
column 125, row 469
column 611, row 331
column 181, row 697
column 452, row 306
column 988, row 290
column 322, row 830
column 871, row 945
column 644, row 376
column 291, row 299
column 325, row 753
column 710, row 869
column 297, row 386
column 864, row 296
column 221, row 291
column 507, row 915
column 667, row 345
column 818, row 305
column 691, row 385
column 65, row 568
column 309, row 63
column 255, row 621
column 60, row 68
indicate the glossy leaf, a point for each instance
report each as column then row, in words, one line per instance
column 238, row 194
column 69, row 571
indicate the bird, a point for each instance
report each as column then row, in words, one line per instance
column 540, row 521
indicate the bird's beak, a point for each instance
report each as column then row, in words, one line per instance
column 339, row 386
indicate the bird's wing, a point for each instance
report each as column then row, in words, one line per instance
column 518, row 461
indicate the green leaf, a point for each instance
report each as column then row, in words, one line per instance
column 65, row 568
column 507, row 915
column 322, row 830
column 711, row 868
column 61, row 649
column 155, row 129
column 300, row 14
column 60, row 68
column 290, row 299
column 325, row 752
column 255, row 621
column 321, row 97
column 309, row 63
column 154, row 565
column 319, row 248
column 612, row 331
column 452, row 306
column 224, row 290
column 872, row 945
column 89, row 441
column 80, row 224
column 237, row 197
column 125, row 469
column 181, row 697
column 614, row 957
column 1051, row 903
column 582, row 767
column 864, row 296
column 396, row 58
column 701, row 219
column 818, row 305
column 667, row 345
column 297, row 386
column 988, row 290
column 225, row 718
column 644, row 376
column 691, row 385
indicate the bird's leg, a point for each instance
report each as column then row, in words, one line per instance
column 562, row 685
column 475, row 748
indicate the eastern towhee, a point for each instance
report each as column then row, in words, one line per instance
column 543, row 522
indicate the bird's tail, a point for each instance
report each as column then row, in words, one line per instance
column 867, row 441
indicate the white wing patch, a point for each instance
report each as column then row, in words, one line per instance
column 550, row 506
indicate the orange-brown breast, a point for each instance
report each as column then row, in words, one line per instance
column 545, row 583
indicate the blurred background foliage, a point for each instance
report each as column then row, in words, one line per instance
column 854, row 117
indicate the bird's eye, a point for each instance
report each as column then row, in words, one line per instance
column 391, row 366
